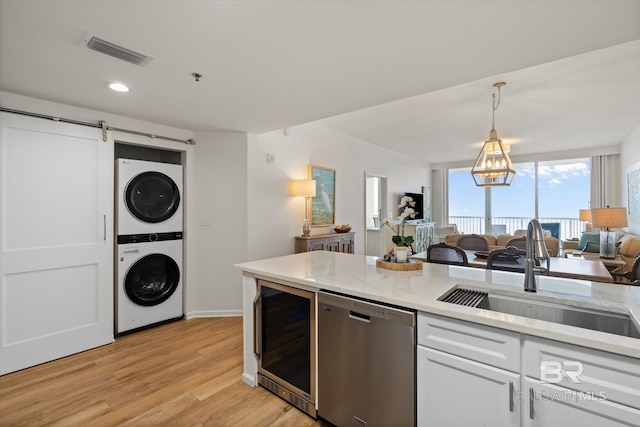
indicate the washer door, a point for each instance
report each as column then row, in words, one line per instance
column 152, row 197
column 152, row 280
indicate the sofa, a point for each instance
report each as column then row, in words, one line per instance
column 500, row 242
column 628, row 246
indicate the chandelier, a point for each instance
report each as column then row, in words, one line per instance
column 493, row 166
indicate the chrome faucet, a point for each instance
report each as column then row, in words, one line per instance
column 536, row 250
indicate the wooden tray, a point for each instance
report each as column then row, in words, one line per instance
column 399, row 266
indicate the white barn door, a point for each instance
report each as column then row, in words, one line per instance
column 56, row 238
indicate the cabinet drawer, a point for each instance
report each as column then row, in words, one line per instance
column 618, row 377
column 484, row 344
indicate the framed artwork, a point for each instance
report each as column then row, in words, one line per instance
column 633, row 191
column 323, row 206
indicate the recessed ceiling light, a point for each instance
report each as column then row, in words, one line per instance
column 118, row 87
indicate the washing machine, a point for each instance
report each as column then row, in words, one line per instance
column 149, row 281
column 148, row 198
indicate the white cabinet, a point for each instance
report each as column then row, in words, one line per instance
column 579, row 383
column 422, row 235
column 454, row 391
column 467, row 374
column 56, row 240
column 549, row 405
column 470, row 374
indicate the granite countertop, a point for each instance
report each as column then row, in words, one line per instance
column 358, row 276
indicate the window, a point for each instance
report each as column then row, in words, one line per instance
column 563, row 188
column 512, row 207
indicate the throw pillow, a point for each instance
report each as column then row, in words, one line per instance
column 588, row 237
column 630, row 247
column 592, row 247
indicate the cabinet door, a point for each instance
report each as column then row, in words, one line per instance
column 422, row 238
column 56, row 240
column 332, row 245
column 317, row 245
column 548, row 405
column 453, row 392
column 614, row 375
column 346, row 245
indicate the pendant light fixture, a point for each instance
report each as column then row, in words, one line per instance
column 493, row 166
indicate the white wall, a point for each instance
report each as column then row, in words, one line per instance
column 229, row 182
column 275, row 217
column 629, row 156
column 219, row 234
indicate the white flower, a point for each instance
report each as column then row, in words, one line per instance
column 407, row 213
column 405, row 201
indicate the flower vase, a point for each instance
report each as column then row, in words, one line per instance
column 402, row 252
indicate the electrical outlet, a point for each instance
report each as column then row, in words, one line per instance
column 205, row 221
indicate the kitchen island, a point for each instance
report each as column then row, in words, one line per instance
column 357, row 276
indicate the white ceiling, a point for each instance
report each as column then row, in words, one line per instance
column 412, row 76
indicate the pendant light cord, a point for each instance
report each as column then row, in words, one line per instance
column 495, row 107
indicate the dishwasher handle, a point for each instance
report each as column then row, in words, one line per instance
column 358, row 316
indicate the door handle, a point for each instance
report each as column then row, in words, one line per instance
column 531, row 402
column 104, row 227
column 510, row 396
column 257, row 313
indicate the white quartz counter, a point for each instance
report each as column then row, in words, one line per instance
column 358, row 276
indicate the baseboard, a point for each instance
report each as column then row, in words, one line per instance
column 249, row 379
column 213, row 313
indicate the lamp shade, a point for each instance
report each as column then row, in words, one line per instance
column 585, row 215
column 609, row 217
column 303, row 187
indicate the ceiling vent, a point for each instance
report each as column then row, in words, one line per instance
column 101, row 45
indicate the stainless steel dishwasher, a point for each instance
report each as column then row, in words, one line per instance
column 366, row 363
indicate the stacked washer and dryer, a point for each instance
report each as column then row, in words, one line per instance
column 149, row 244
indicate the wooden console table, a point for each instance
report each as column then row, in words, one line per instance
column 333, row 242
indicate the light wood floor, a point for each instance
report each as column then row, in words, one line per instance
column 185, row 373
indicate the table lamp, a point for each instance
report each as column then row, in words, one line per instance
column 607, row 218
column 585, row 215
column 305, row 188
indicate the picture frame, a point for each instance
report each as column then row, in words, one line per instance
column 633, row 192
column 323, row 205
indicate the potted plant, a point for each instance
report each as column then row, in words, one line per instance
column 402, row 242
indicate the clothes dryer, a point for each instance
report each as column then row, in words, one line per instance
column 148, row 198
column 149, row 281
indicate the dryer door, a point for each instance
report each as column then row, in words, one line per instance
column 152, row 197
column 152, row 280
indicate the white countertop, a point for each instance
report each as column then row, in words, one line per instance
column 358, row 276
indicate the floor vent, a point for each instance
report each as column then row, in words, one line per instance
column 298, row 401
column 107, row 47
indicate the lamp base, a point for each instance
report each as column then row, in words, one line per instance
column 306, row 228
column 607, row 244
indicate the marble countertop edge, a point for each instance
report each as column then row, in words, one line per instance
column 357, row 276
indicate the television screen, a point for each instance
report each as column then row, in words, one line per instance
column 419, row 208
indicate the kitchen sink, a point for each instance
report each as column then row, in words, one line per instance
column 597, row 320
